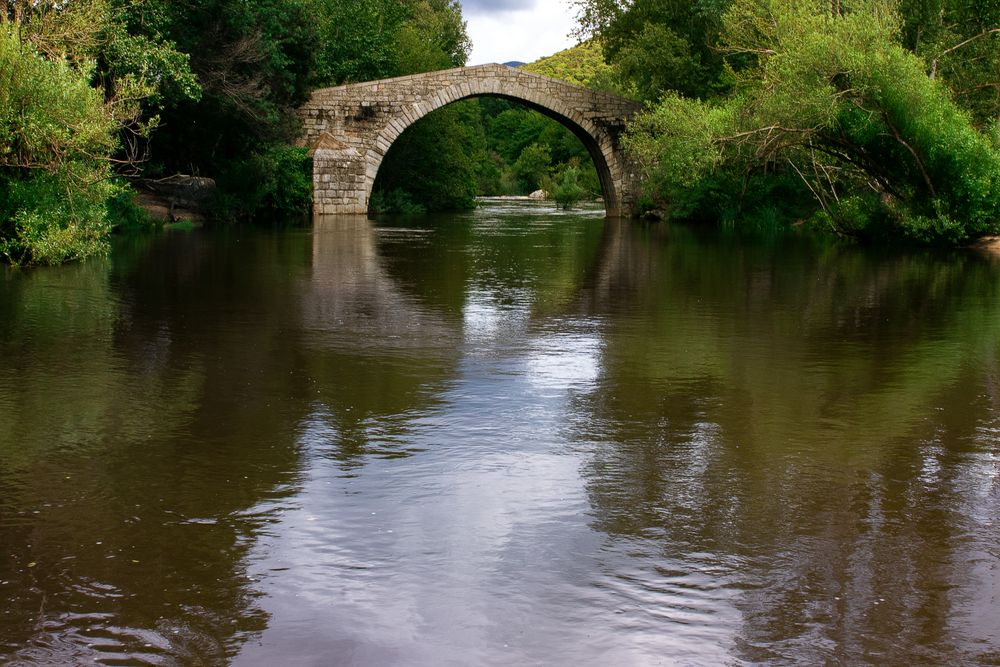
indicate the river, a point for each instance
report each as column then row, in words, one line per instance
column 510, row 437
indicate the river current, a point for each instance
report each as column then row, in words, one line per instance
column 516, row 436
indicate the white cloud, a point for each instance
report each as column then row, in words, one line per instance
column 518, row 30
column 493, row 6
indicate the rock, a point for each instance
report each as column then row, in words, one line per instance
column 159, row 208
column 539, row 194
column 988, row 245
column 183, row 197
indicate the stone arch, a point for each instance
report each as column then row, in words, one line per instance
column 599, row 147
column 351, row 128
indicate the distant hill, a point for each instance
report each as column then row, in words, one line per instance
column 583, row 65
column 514, row 63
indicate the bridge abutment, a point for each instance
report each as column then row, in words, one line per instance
column 340, row 178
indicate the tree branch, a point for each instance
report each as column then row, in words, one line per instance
column 934, row 63
column 913, row 152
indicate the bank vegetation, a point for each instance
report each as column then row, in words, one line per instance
column 876, row 119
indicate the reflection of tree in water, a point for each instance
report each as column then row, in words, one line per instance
column 137, row 444
column 815, row 431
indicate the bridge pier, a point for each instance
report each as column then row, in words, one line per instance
column 339, row 178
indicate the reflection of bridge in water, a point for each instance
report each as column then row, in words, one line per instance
column 353, row 290
column 377, row 325
column 351, row 128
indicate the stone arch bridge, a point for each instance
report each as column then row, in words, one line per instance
column 349, row 129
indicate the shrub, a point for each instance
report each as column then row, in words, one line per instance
column 126, row 215
column 568, row 192
column 394, row 201
column 49, row 219
column 834, row 99
column 56, row 136
column 274, row 184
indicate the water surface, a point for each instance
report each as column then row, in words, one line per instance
column 515, row 436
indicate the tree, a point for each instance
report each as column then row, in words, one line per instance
column 56, row 137
column 433, row 37
column 356, row 39
column 960, row 42
column 568, row 192
column 881, row 145
column 532, row 166
column 582, row 65
column 252, row 63
column 659, row 45
column 70, row 112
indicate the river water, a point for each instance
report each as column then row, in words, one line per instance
column 512, row 437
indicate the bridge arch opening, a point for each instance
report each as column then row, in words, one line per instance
column 563, row 141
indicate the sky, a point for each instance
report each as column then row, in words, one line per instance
column 524, row 30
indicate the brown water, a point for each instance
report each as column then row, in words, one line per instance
column 513, row 437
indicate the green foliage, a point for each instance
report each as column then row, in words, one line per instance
column 50, row 218
column 355, row 40
column 659, row 45
column 126, row 215
column 146, row 59
column 675, row 144
column 364, row 40
column 134, row 71
column 959, row 42
column 881, row 146
column 658, row 59
column 179, row 226
column 568, row 192
column 56, row 134
column 253, row 63
column 532, row 166
column 434, row 161
column 495, row 177
column 274, row 185
column 510, row 131
column 582, row 65
column 49, row 114
column 394, row 201
column 432, row 38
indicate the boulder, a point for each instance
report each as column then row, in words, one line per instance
column 177, row 197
